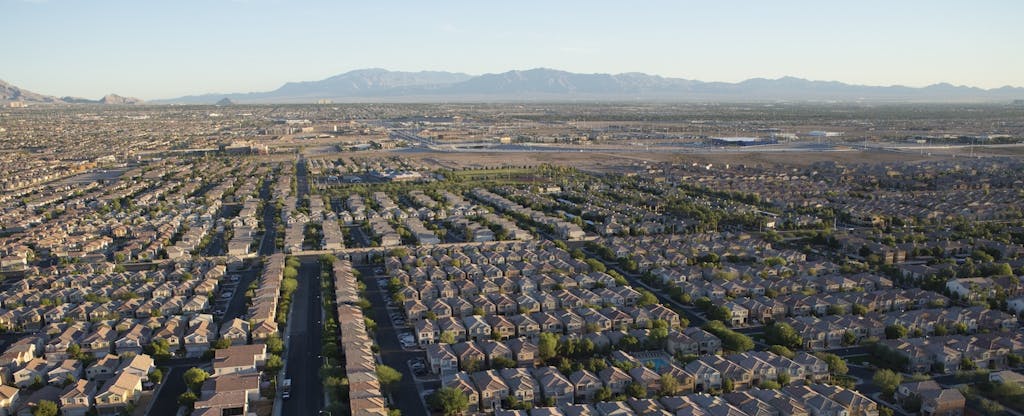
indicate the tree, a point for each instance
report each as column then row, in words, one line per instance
column 731, row 340
column 275, row 345
column 887, row 381
column 161, row 348
column 221, row 344
column 451, row 401
column 669, row 385
column 596, row 265
column 447, row 337
column 720, row 313
column 547, row 346
column 836, row 365
column 728, row 385
column 859, row 309
column 194, row 377
column 781, row 333
column 636, row 390
column 274, row 363
column 849, row 338
column 156, row 376
column 603, row 394
column 388, row 376
column 188, row 398
column 45, row 408
column 498, row 363
column 783, row 351
column 968, row 364
column 646, row 298
column 895, row 331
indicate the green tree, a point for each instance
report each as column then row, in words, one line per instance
column 731, row 340
column 194, row 377
column 781, row 333
column 451, row 401
column 547, row 346
column 188, row 398
column 887, row 381
column 636, row 390
column 156, row 376
column 646, row 298
column 222, row 343
column 275, row 345
column 447, row 337
column 274, row 363
column 388, row 376
column 783, row 351
column 720, row 313
column 728, row 385
column 161, row 349
column 836, row 365
column 498, row 363
column 669, row 385
column 45, row 408
column 895, row 331
column 859, row 309
column 849, row 338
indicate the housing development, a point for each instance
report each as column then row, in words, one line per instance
column 512, row 259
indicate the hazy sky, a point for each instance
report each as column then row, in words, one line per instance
column 161, row 49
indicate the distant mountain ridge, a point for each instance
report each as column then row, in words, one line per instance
column 9, row 93
column 543, row 84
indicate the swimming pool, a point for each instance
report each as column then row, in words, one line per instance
column 658, row 364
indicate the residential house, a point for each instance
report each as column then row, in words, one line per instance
column 77, row 398
column 554, row 385
column 491, row 387
column 241, row 359
column 118, row 393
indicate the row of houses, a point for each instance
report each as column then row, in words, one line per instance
column 562, row 228
column 531, row 325
column 491, row 390
column 824, row 400
column 830, row 331
column 262, row 312
column 948, row 353
column 365, row 396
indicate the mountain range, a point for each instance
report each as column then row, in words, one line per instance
column 10, row 92
column 542, row 84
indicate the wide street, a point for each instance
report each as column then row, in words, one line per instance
column 304, row 343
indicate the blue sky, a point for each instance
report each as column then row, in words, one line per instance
column 161, row 49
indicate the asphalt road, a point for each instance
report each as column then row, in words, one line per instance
column 304, row 344
column 166, row 403
column 269, row 220
column 406, row 396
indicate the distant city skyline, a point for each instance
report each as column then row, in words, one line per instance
column 155, row 50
